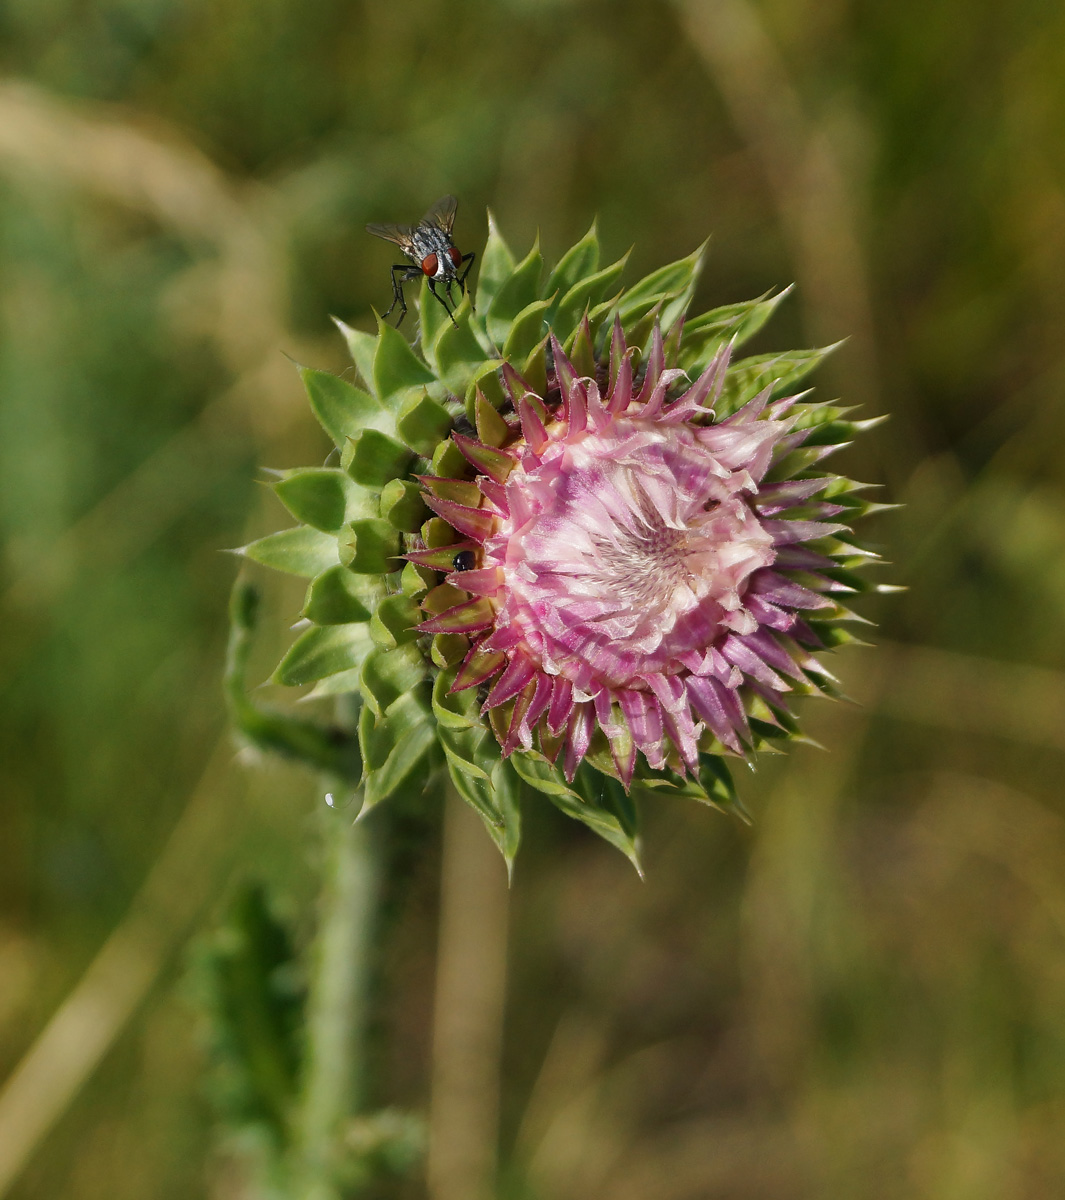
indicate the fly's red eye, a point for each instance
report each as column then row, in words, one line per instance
column 455, row 256
column 429, row 264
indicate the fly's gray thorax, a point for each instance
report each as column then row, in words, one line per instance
column 426, row 241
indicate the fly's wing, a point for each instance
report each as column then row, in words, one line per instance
column 442, row 214
column 402, row 235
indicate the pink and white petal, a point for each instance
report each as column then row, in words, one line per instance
column 561, row 706
column 644, row 719
column 719, row 707
column 579, row 738
column 520, row 671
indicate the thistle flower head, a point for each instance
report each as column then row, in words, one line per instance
column 625, row 548
column 607, row 543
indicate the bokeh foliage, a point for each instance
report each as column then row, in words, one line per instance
column 863, row 994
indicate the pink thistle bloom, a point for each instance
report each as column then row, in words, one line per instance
column 634, row 566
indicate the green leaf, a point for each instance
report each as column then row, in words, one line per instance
column 717, row 780
column 389, row 674
column 375, row 738
column 320, row 496
column 541, row 774
column 339, row 597
column 393, row 623
column 639, row 332
column 422, row 423
column 343, row 683
column 534, row 369
column 300, row 551
column 834, row 636
column 457, row 352
column 323, row 748
column 605, row 791
column 402, row 505
column 341, row 409
column 585, row 293
column 593, row 809
column 794, row 464
column 370, row 546
column 673, row 310
column 475, row 751
column 749, row 376
column 580, row 349
column 484, row 377
column 395, row 366
column 619, row 801
column 705, row 334
column 508, row 802
column 600, row 820
column 473, row 784
column 497, row 264
column 416, row 580
column 449, row 462
column 517, row 292
column 448, row 649
column 526, row 332
column 473, row 745
column 373, row 458
column 667, row 282
column 664, row 782
column 579, row 261
column 601, row 319
column 433, row 318
column 394, row 747
column 379, row 733
column 323, row 650
column 493, row 796
column 404, row 761
column 363, row 347
column 831, row 433
column 455, row 710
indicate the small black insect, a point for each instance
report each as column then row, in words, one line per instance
column 429, row 246
column 465, row 560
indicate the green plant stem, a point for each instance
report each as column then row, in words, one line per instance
column 335, row 1075
column 468, row 1016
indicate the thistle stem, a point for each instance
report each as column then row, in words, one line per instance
column 468, row 1017
column 335, row 1076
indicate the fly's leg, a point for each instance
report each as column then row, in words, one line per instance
column 436, row 294
column 407, row 273
column 459, row 280
column 468, row 260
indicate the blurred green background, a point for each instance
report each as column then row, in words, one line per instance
column 862, row 995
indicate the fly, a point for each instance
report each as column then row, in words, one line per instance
column 429, row 247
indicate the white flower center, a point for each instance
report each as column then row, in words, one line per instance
column 625, row 550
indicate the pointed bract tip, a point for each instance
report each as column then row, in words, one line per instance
column 775, row 299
